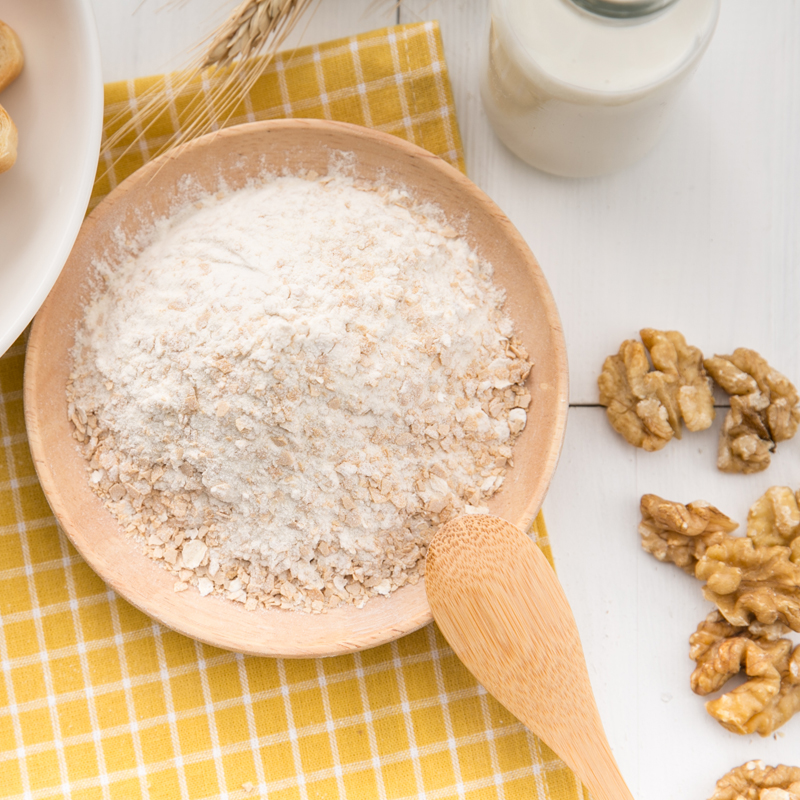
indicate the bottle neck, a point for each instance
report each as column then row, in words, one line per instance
column 622, row 9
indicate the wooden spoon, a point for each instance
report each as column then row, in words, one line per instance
column 500, row 606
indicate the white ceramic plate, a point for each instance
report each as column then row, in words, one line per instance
column 57, row 106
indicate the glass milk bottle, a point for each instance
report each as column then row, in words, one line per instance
column 584, row 87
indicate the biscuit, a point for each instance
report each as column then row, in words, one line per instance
column 11, row 58
column 8, row 141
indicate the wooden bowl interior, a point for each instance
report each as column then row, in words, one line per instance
column 235, row 155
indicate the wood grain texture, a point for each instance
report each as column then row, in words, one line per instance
column 702, row 236
column 501, row 608
column 635, row 614
column 148, row 37
column 232, row 157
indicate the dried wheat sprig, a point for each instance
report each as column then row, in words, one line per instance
column 254, row 27
column 246, row 29
column 265, row 23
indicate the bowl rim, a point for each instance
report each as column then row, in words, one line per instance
column 152, row 605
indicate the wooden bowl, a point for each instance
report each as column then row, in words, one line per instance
column 235, row 154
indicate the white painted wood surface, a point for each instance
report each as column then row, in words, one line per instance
column 702, row 236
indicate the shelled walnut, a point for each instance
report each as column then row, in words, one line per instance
column 754, row 580
column 689, row 390
column 755, row 781
column 771, row 696
column 679, row 533
column 630, row 393
column 764, row 410
column 774, row 519
column 748, row 583
column 646, row 405
column 748, row 577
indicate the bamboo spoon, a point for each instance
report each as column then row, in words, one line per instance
column 501, row 608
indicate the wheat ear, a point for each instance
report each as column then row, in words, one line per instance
column 254, row 27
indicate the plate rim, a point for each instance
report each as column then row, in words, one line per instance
column 82, row 193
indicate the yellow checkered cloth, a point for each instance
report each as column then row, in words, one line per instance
column 99, row 702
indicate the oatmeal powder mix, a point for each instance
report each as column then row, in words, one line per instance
column 285, row 391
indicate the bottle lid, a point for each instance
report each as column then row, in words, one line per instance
column 623, row 8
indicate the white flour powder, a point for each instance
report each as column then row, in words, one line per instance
column 287, row 390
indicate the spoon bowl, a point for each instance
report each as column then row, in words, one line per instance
column 501, row 608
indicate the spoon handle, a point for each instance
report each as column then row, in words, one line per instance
column 501, row 608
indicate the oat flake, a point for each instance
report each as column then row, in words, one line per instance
column 292, row 385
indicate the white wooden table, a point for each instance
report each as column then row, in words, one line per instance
column 703, row 236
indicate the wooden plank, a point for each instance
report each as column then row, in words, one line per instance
column 145, row 37
column 702, row 236
column 635, row 614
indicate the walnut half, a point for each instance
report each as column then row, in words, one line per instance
column 774, row 519
column 769, row 698
column 679, row 533
column 757, row 577
column 755, row 781
column 646, row 406
column 630, row 393
column 764, row 410
column 754, row 581
column 690, row 395
column 750, row 583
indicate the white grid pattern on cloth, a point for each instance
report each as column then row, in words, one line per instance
column 35, row 613
column 448, row 722
column 330, row 727
column 293, row 736
column 415, row 118
column 216, row 750
column 397, row 663
column 407, row 123
column 142, row 141
column 490, row 738
column 171, row 716
column 323, row 92
column 362, row 88
column 405, row 707
column 252, row 731
column 67, row 560
column 19, row 753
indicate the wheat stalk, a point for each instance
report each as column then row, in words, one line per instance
column 254, row 27
column 246, row 29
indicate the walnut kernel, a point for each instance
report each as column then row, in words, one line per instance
column 774, row 519
column 755, row 781
column 679, row 533
column 690, row 388
column 754, row 581
column 646, row 405
column 771, row 696
column 748, row 583
column 631, row 398
column 764, row 410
